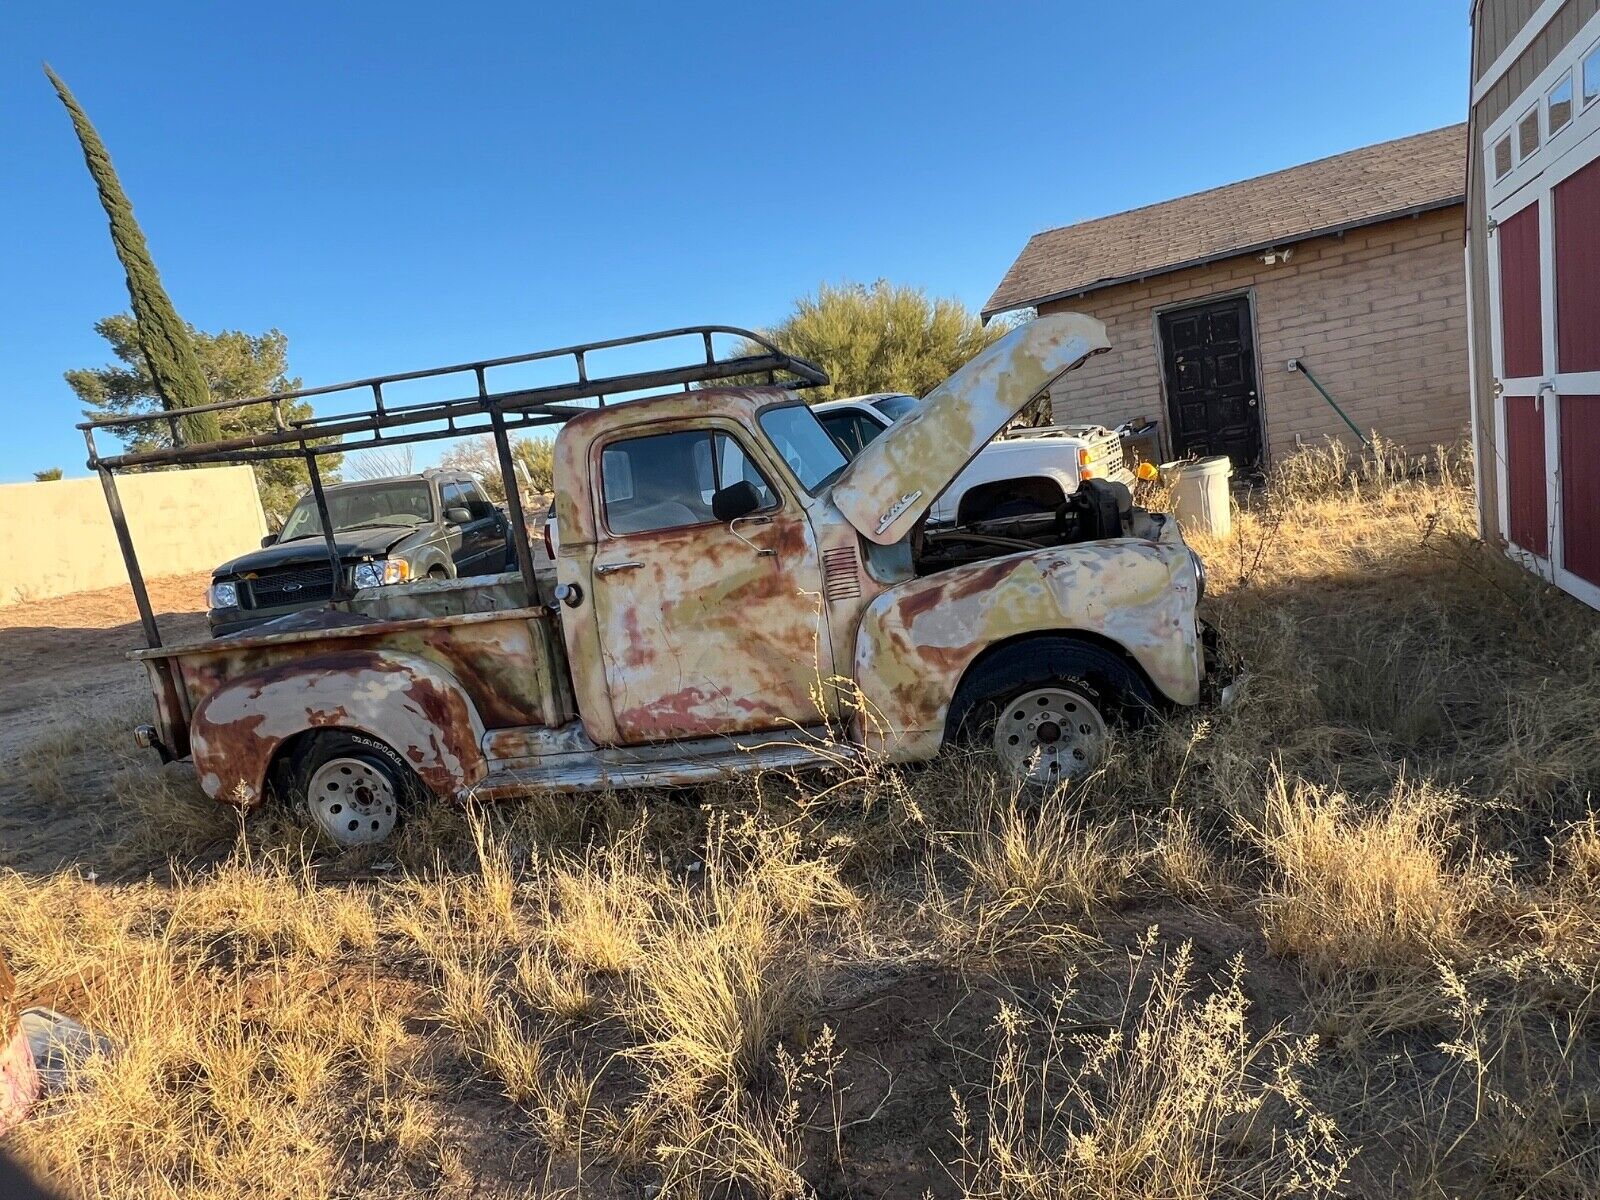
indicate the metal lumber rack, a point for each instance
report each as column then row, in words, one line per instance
column 379, row 423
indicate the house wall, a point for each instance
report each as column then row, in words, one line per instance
column 56, row 537
column 1378, row 314
column 1496, row 25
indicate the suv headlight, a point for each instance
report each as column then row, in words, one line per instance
column 376, row 574
column 224, row 595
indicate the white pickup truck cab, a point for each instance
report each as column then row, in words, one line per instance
column 1035, row 468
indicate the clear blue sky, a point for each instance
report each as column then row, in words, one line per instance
column 399, row 184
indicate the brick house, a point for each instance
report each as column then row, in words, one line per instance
column 1533, row 267
column 1350, row 265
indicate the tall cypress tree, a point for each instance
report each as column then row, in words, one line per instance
column 162, row 334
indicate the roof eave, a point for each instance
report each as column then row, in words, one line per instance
column 1415, row 210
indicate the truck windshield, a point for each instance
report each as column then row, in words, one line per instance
column 804, row 444
column 895, row 407
column 364, row 505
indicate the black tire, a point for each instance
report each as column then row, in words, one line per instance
column 381, row 787
column 1117, row 692
column 437, row 572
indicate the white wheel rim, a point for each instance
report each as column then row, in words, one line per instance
column 352, row 801
column 1050, row 736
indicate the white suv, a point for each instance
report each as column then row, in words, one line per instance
column 1022, row 468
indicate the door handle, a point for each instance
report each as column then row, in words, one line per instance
column 761, row 551
column 613, row 568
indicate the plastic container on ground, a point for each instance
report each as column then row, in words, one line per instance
column 19, row 1080
column 1200, row 494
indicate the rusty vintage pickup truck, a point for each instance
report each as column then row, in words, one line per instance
column 729, row 595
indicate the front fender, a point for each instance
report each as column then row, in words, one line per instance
column 402, row 700
column 917, row 640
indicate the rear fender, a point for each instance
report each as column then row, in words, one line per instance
column 917, row 640
column 404, row 701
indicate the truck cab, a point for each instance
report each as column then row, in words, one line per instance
column 727, row 569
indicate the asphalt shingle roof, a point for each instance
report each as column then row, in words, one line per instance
column 1360, row 187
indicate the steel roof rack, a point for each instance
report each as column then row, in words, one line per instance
column 379, row 423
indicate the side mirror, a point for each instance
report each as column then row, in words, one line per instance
column 480, row 509
column 735, row 501
column 269, row 540
column 457, row 515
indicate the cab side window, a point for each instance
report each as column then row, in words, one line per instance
column 667, row 480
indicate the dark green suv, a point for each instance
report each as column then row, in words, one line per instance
column 435, row 525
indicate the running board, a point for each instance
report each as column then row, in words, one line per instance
column 661, row 765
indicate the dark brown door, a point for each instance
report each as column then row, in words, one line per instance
column 1208, row 354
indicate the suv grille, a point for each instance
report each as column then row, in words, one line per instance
column 291, row 585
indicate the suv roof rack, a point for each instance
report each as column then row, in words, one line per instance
column 379, row 423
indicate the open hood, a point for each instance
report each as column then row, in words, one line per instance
column 896, row 478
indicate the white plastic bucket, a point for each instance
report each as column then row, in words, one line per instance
column 1200, row 494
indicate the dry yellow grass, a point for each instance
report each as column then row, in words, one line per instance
column 790, row 988
column 1373, row 890
column 1173, row 1097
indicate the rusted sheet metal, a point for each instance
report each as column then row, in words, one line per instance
column 172, row 705
column 696, row 630
column 402, row 700
column 19, row 1078
column 894, row 480
column 848, row 586
column 711, row 635
column 572, row 763
column 505, row 661
column 917, row 640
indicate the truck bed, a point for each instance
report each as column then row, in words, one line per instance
column 507, row 654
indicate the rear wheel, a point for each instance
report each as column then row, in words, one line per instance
column 1046, row 708
column 353, row 788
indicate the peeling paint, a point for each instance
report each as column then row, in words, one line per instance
column 917, row 640
column 401, row 700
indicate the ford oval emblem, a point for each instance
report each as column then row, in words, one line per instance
column 293, row 587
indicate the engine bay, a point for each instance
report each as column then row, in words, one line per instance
column 1098, row 510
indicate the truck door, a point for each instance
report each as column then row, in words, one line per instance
column 705, row 627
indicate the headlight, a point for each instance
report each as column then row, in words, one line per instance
column 376, row 574
column 1199, row 574
column 224, row 595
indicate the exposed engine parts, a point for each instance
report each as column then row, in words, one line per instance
column 1098, row 509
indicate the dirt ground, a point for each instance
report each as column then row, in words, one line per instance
column 64, row 665
column 66, row 657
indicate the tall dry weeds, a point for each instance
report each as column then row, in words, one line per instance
column 600, row 994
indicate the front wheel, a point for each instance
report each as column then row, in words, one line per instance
column 1048, row 736
column 353, row 788
column 1046, row 708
